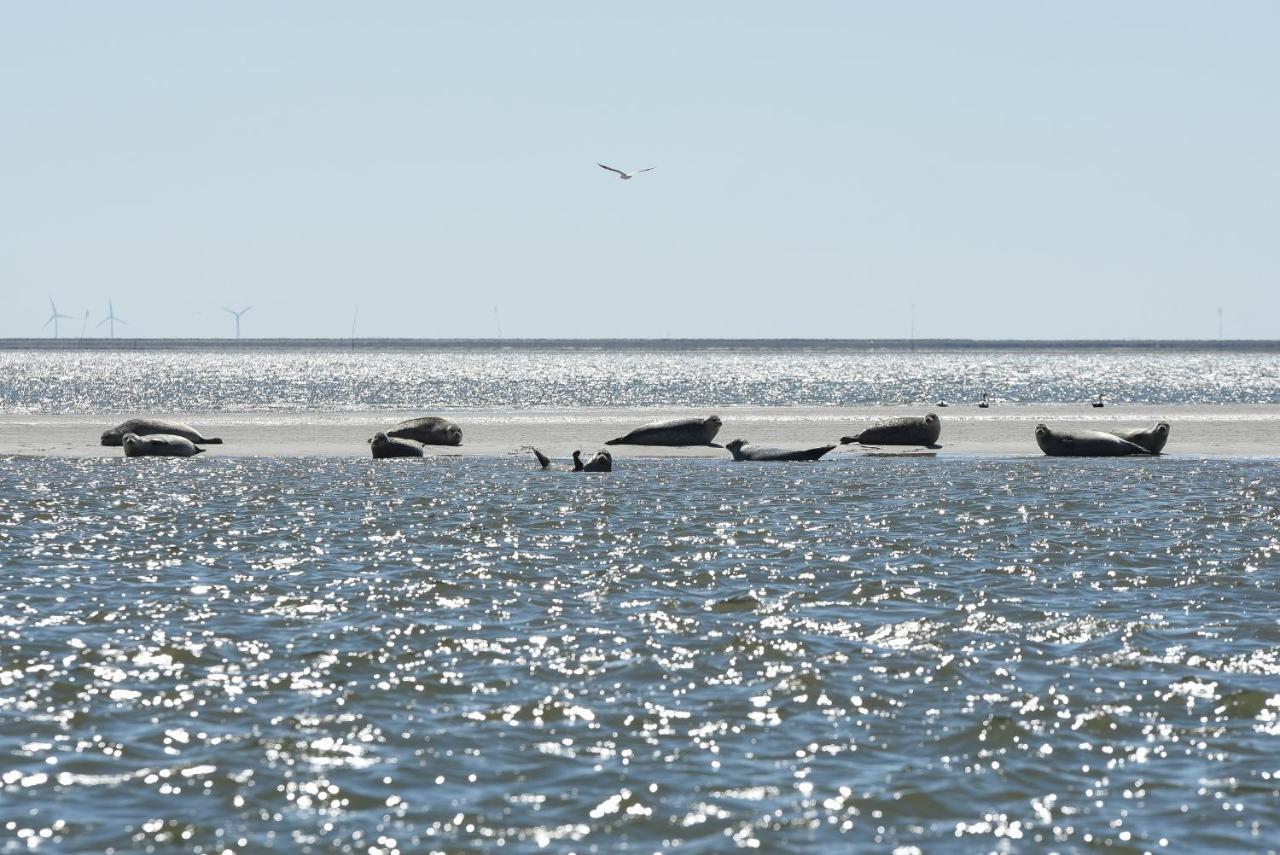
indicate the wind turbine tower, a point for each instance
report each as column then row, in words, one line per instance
column 53, row 318
column 111, row 316
column 237, row 315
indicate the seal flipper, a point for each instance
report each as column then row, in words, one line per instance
column 213, row 440
column 199, row 450
column 543, row 460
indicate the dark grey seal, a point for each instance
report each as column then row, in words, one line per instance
column 601, row 461
column 740, row 451
column 1084, row 443
column 428, row 430
column 686, row 431
column 147, row 427
column 907, row 430
column 385, row 446
column 1152, row 438
column 158, row 445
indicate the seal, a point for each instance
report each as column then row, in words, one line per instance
column 1152, row 438
column 907, row 430
column 158, row 445
column 1084, row 443
column 147, row 427
column 601, row 461
column 428, row 430
column 686, row 431
column 383, row 445
column 738, row 448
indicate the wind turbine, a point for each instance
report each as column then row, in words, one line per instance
column 84, row 326
column 111, row 316
column 237, row 317
column 53, row 318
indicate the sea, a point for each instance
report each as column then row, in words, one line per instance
column 883, row 654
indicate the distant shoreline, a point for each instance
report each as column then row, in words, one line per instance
column 673, row 344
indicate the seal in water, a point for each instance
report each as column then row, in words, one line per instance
column 601, row 461
column 428, row 430
column 907, row 430
column 738, row 448
column 384, row 446
column 687, row 431
column 1084, row 443
column 147, row 427
column 158, row 445
column 1152, row 439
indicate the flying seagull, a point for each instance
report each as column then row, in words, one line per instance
column 625, row 176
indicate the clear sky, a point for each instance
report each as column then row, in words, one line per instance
column 1015, row 169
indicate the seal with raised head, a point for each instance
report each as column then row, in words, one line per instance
column 1084, row 443
column 601, row 461
column 685, row 431
column 428, row 430
column 741, row 451
column 907, row 430
column 158, row 445
column 147, row 427
column 1152, row 438
column 385, row 446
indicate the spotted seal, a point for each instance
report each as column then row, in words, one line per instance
column 384, row 446
column 685, row 431
column 428, row 430
column 158, row 445
column 742, row 452
column 906, row 430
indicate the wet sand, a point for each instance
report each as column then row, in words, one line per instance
column 1198, row 431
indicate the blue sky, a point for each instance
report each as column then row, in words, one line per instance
column 1015, row 170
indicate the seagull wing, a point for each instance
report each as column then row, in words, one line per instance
column 610, row 168
column 646, row 169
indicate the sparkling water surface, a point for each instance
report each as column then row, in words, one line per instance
column 686, row 655
column 748, row 374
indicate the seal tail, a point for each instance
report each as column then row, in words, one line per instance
column 618, row 441
column 199, row 451
column 213, row 440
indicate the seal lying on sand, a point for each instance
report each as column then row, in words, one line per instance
column 158, row 445
column 428, row 430
column 384, row 446
column 738, row 448
column 686, row 431
column 1152, row 439
column 908, row 430
column 147, row 427
column 1084, row 443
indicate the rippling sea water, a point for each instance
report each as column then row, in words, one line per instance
column 686, row 655
column 329, row 378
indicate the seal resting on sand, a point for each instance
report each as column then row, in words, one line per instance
column 1084, row 443
column 686, row 431
column 428, row 430
column 158, row 445
column 385, row 446
column 907, row 430
column 740, row 451
column 1152, row 438
column 147, row 427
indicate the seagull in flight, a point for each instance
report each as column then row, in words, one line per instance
column 625, row 176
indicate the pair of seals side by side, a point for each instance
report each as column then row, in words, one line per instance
column 761, row 453
column 907, row 430
column 150, row 427
column 1096, row 443
column 684, row 431
column 407, row 438
column 158, row 445
column 601, row 461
